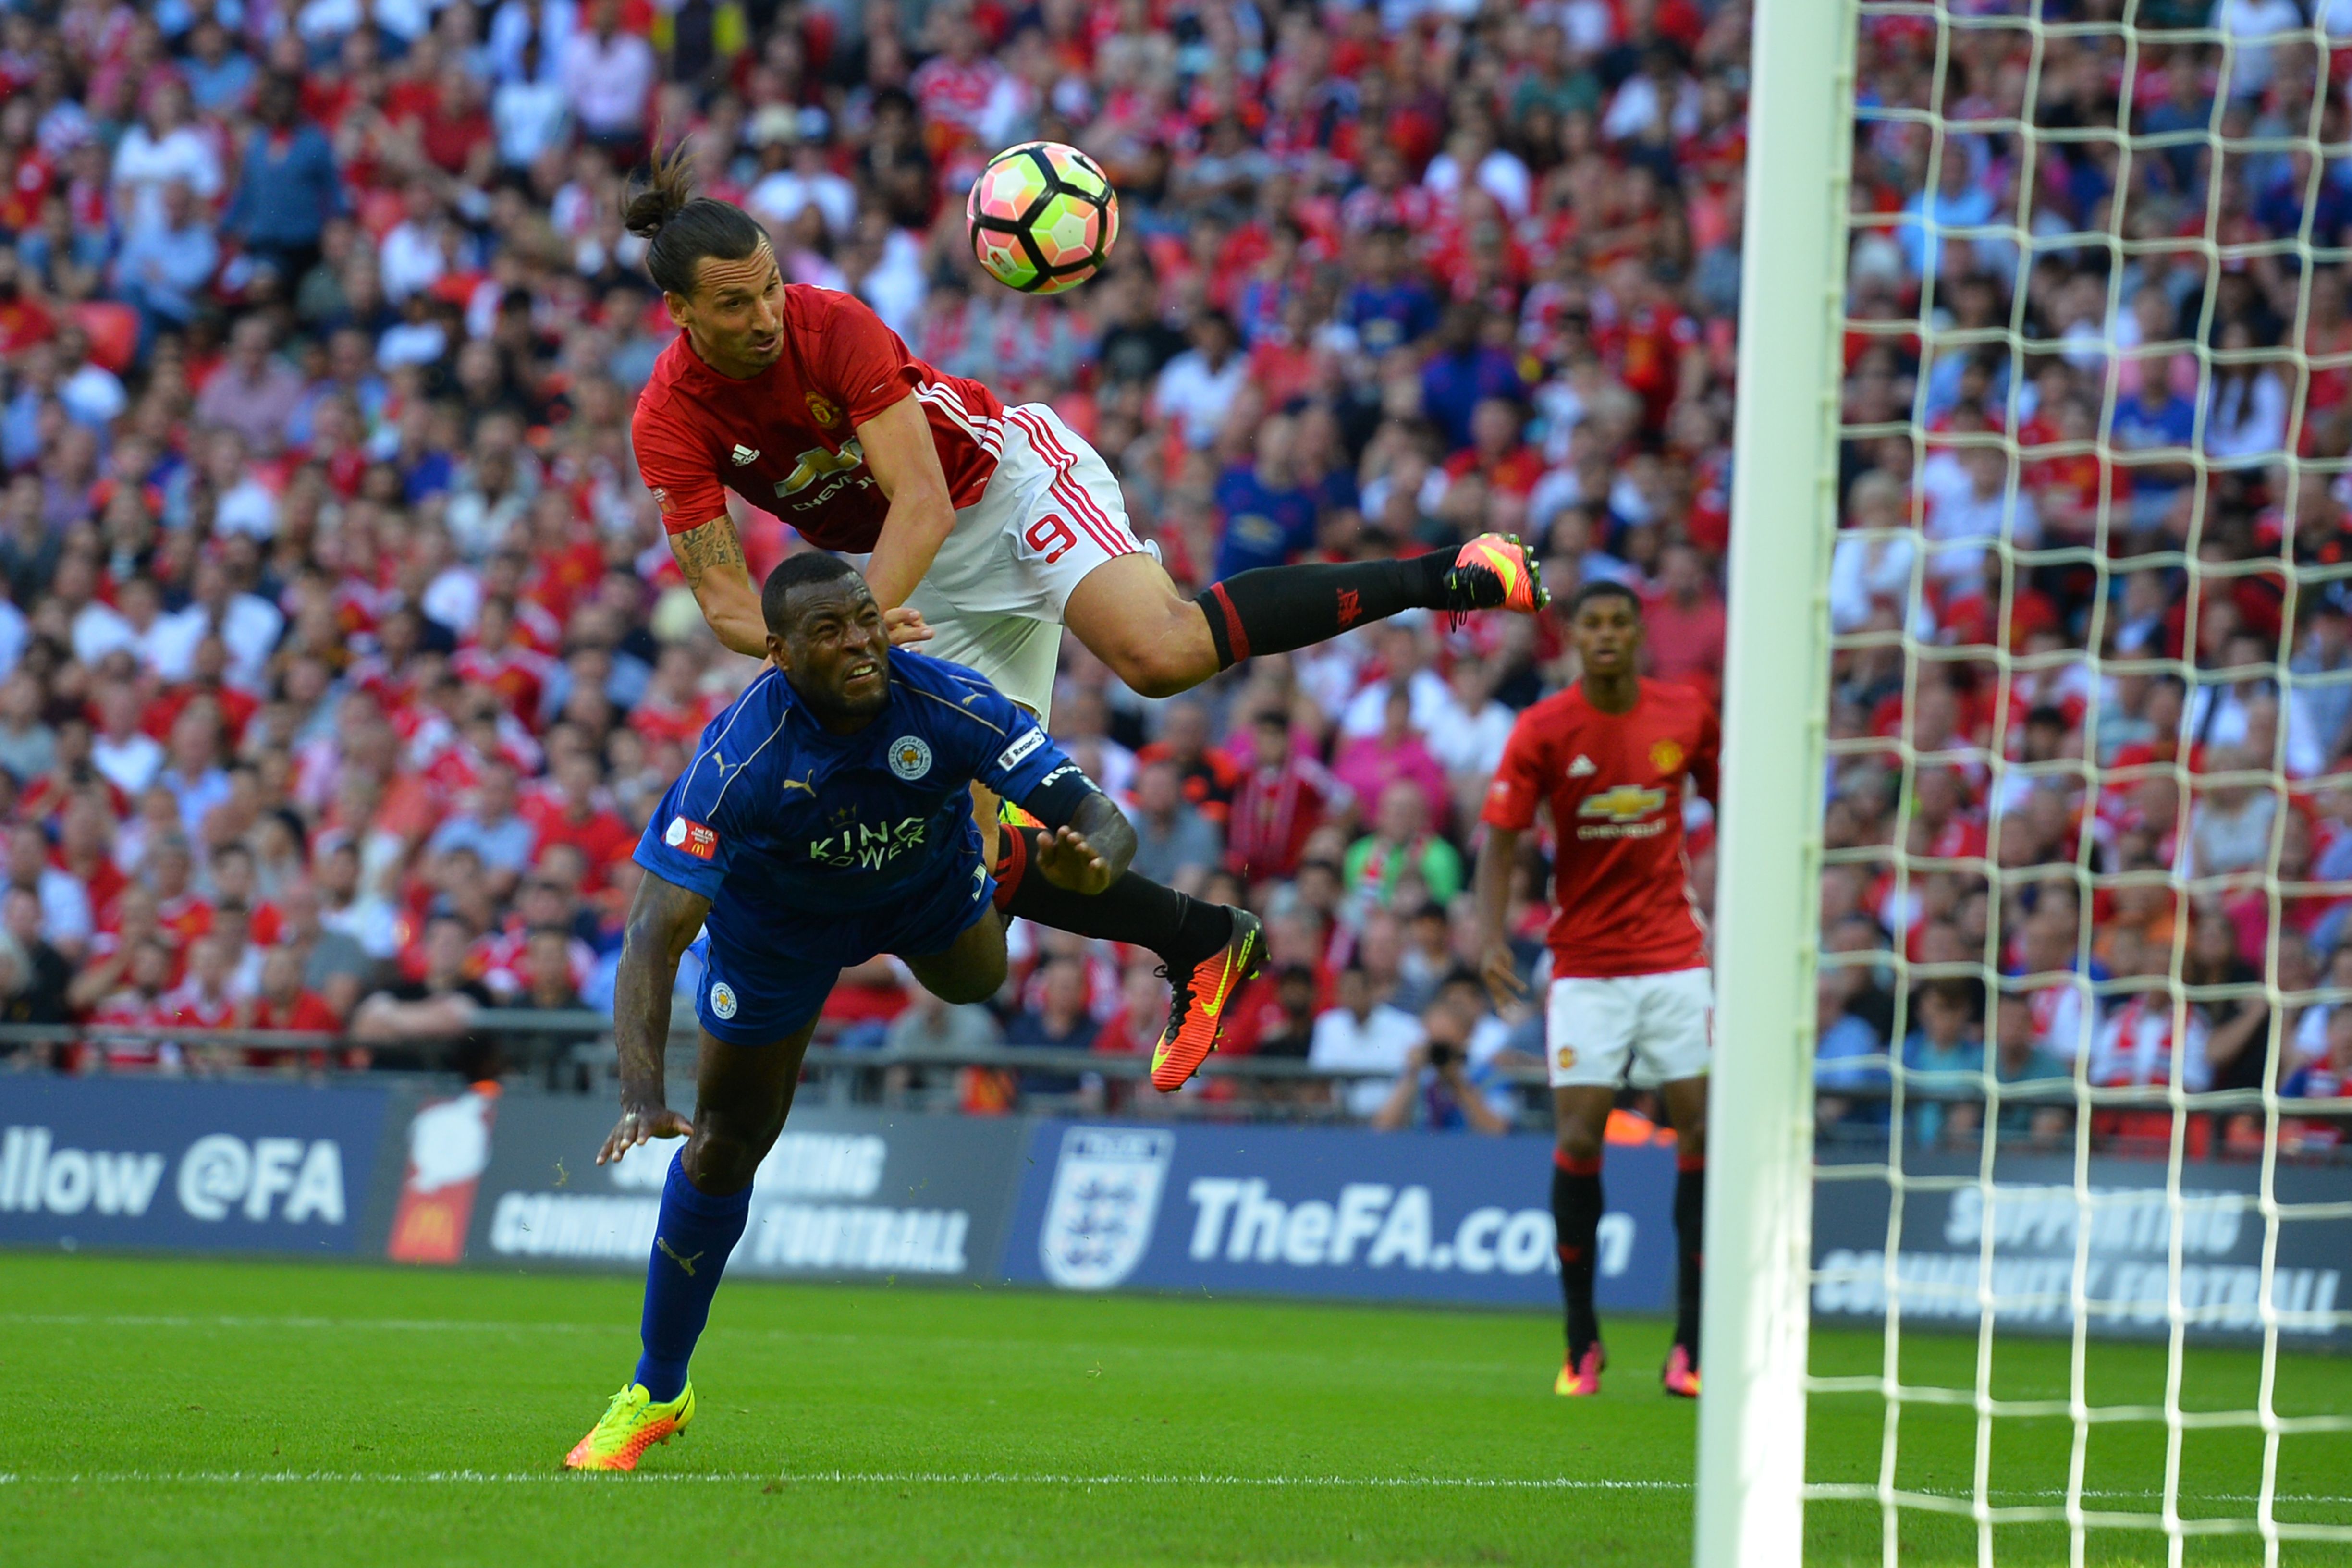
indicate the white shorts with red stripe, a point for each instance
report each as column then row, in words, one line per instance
column 994, row 595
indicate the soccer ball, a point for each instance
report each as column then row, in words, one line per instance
column 1042, row 218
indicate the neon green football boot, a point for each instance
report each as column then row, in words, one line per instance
column 631, row 1424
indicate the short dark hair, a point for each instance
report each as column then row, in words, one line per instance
column 1604, row 588
column 802, row 570
column 682, row 227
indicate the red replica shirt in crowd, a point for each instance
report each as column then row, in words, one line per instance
column 1615, row 784
column 783, row 440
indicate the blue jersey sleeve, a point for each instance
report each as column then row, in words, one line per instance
column 1028, row 755
column 682, row 843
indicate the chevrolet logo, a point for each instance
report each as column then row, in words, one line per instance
column 1626, row 803
column 816, row 463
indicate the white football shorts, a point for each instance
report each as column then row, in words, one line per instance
column 1052, row 514
column 1645, row 1030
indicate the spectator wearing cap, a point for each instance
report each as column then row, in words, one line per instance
column 793, row 154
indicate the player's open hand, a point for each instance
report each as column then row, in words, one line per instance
column 640, row 1123
column 1501, row 972
column 1066, row 859
column 906, row 625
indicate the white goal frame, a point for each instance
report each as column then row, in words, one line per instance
column 1756, row 1318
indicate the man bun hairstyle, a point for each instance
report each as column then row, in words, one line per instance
column 805, row 570
column 682, row 229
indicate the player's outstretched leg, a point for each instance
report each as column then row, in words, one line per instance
column 1686, row 1107
column 1209, row 951
column 1582, row 1115
column 1130, row 615
column 742, row 1098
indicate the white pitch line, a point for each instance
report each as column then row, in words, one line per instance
column 1004, row 1478
column 835, row 1477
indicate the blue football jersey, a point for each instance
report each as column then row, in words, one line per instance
column 776, row 819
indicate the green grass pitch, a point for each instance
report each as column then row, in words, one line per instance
column 250, row 1413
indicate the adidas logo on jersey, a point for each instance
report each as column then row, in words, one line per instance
column 745, row 455
column 1582, row 767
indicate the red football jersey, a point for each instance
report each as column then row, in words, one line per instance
column 1615, row 784
column 785, row 440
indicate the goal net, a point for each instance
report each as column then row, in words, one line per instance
column 2033, row 1187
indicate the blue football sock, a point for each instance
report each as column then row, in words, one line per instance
column 691, row 1241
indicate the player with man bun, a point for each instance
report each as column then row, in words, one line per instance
column 987, row 529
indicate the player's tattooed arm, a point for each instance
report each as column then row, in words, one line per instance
column 663, row 920
column 711, row 557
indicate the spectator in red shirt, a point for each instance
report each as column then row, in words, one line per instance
column 1280, row 804
column 1684, row 622
column 577, row 812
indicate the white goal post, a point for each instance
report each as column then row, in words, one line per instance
column 1751, row 1441
column 1753, row 1480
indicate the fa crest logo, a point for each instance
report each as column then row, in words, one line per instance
column 910, row 758
column 1666, row 757
column 1105, row 1196
column 722, row 1000
column 823, row 411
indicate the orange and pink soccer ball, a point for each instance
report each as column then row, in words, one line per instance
column 1042, row 218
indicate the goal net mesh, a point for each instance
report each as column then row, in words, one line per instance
column 2087, row 849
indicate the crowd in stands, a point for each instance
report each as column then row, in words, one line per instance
column 342, row 656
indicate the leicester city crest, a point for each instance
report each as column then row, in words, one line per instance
column 1105, row 1195
column 910, row 758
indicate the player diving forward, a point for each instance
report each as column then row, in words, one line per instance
column 996, row 526
column 1629, row 991
column 825, row 818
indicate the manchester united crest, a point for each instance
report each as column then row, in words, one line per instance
column 824, row 410
column 1666, row 757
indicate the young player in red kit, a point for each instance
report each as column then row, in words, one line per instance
column 1631, row 998
column 990, row 528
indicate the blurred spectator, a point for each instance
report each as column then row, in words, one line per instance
column 1174, row 843
column 1365, row 1037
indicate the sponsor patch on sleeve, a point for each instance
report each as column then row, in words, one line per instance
column 1028, row 742
column 692, row 836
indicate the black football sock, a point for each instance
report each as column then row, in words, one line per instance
column 1576, row 1214
column 1277, row 608
column 1690, row 1242
column 1134, row 910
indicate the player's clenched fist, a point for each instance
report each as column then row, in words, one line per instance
column 640, row 1123
column 1066, row 859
